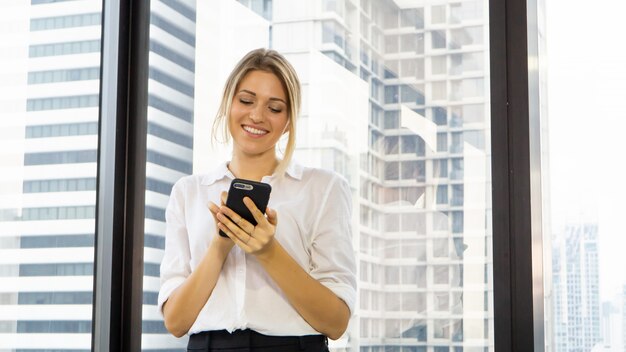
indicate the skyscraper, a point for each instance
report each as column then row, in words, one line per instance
column 424, row 246
column 576, row 289
column 47, row 244
column 396, row 99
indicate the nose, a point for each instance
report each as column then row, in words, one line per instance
column 256, row 114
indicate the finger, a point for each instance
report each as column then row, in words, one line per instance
column 223, row 197
column 237, row 219
column 213, row 208
column 236, row 230
column 258, row 215
column 272, row 216
column 234, row 237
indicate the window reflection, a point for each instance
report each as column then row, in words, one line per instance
column 395, row 100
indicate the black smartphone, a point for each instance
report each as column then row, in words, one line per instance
column 259, row 192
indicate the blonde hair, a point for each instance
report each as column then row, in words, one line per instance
column 272, row 62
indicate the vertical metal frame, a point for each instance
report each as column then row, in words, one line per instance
column 516, row 167
column 121, row 176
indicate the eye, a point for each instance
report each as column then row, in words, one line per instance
column 275, row 110
column 245, row 101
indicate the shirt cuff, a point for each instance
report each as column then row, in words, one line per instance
column 166, row 290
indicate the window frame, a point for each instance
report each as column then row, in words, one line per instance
column 516, row 176
column 118, row 291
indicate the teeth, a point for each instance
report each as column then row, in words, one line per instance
column 254, row 130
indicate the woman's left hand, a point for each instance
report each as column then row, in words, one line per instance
column 252, row 239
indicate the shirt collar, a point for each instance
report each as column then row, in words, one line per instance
column 294, row 170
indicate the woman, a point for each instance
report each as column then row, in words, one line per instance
column 276, row 286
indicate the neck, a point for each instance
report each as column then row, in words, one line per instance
column 253, row 167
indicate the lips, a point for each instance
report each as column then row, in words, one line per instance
column 254, row 131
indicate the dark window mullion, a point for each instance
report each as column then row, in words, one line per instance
column 517, row 242
column 119, row 248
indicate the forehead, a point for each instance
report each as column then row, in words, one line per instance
column 263, row 83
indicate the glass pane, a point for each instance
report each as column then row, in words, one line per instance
column 170, row 141
column 583, row 147
column 49, row 88
column 404, row 124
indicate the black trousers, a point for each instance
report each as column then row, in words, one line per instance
column 250, row 340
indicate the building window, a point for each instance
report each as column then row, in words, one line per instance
column 155, row 213
column 56, row 241
column 438, row 39
column 72, row 102
column 442, row 142
column 60, row 185
column 442, row 194
column 82, row 20
column 59, row 213
column 172, row 29
column 154, row 129
column 60, row 130
column 457, row 222
column 57, row 269
column 391, row 44
column 457, row 169
column 69, row 48
column 391, row 95
column 55, row 298
column 439, row 65
column 170, row 108
column 412, row 18
column 438, row 14
column 392, row 120
column 174, row 56
column 456, row 145
column 440, row 168
column 73, row 157
column 53, row 326
column 171, row 81
column 51, row 76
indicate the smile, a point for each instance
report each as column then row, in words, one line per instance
column 254, row 130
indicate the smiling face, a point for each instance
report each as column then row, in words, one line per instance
column 258, row 115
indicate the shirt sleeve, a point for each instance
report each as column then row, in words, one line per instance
column 175, row 267
column 332, row 254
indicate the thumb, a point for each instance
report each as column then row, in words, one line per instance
column 272, row 217
column 223, row 197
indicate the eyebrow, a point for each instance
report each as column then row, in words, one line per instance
column 253, row 93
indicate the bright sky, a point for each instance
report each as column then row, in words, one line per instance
column 587, row 124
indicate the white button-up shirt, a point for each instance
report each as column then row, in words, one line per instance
column 314, row 215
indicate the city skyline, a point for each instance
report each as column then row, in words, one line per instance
column 47, row 241
column 591, row 190
column 425, row 266
column 573, row 135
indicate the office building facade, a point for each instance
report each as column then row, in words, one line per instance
column 47, row 245
column 576, row 289
column 421, row 184
column 396, row 100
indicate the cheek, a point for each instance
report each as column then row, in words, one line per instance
column 235, row 111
